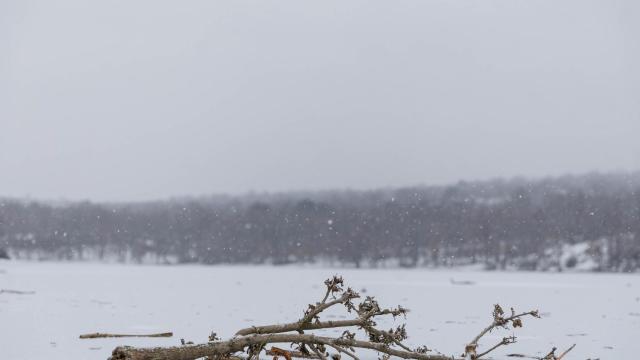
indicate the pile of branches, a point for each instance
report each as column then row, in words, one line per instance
column 250, row 343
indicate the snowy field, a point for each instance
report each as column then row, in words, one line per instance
column 598, row 312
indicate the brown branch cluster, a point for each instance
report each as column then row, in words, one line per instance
column 249, row 343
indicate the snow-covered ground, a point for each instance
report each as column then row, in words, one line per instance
column 598, row 312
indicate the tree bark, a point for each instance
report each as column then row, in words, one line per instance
column 192, row 352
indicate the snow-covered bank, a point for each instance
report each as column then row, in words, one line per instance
column 599, row 312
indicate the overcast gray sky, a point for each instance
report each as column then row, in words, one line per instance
column 134, row 100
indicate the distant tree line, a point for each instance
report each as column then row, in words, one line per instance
column 501, row 224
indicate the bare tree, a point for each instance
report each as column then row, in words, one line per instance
column 498, row 224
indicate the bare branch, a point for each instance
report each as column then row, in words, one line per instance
column 296, row 326
column 552, row 354
column 498, row 321
column 105, row 335
column 505, row 341
column 314, row 310
column 310, row 346
column 192, row 352
column 566, row 352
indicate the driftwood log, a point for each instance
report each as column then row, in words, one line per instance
column 250, row 343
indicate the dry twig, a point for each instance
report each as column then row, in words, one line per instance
column 106, row 335
column 552, row 354
column 499, row 320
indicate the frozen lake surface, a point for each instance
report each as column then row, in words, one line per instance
column 598, row 312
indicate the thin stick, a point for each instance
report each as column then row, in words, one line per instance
column 495, row 324
column 16, row 292
column 106, row 335
column 320, row 307
column 566, row 352
column 297, row 326
column 505, row 341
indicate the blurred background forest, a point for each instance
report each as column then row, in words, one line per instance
column 588, row 222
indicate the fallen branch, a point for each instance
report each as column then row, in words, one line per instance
column 252, row 341
column 106, row 335
column 192, row 352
